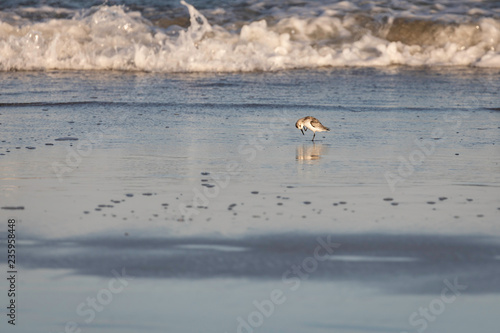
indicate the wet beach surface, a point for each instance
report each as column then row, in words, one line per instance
column 200, row 187
column 396, row 264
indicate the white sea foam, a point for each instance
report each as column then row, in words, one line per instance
column 112, row 38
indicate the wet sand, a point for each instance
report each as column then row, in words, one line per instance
column 202, row 189
column 398, row 264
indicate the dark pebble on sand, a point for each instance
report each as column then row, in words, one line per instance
column 129, row 195
column 204, row 180
column 205, row 173
column 307, row 202
column 86, row 212
column 29, row 147
column 13, row 207
column 480, row 215
column 208, row 185
column 147, row 194
column 66, row 138
column 388, row 199
column 469, row 200
column 442, row 198
column 115, row 201
column 431, row 202
column 456, row 154
column 49, row 144
column 342, row 202
column 164, row 204
column 231, row 206
column 290, row 186
column 280, row 204
column 255, row 192
column 394, row 203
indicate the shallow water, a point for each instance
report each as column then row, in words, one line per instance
column 401, row 136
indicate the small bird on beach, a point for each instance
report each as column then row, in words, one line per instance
column 312, row 123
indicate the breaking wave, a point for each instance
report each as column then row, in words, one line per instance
column 342, row 34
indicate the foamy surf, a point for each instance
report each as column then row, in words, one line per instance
column 340, row 34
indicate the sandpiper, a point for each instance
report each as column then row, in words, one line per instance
column 312, row 123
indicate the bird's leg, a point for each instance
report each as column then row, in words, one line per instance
column 313, row 136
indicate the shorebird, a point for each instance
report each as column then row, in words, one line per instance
column 312, row 123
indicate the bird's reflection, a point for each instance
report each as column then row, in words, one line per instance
column 310, row 153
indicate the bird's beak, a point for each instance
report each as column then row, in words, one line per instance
column 302, row 131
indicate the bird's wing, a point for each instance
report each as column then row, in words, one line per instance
column 315, row 123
